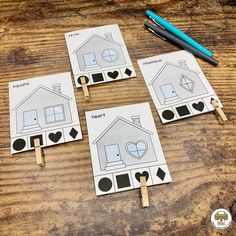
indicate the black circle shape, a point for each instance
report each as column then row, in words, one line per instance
column 168, row 114
column 105, row 184
column 86, row 79
column 19, row 144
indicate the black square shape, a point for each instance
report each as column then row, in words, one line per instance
column 123, row 181
column 183, row 110
column 40, row 136
column 98, row 77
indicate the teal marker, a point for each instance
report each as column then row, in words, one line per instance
column 172, row 29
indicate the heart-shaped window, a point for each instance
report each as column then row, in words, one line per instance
column 138, row 149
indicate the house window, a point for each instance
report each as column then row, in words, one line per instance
column 54, row 113
column 109, row 55
column 138, row 149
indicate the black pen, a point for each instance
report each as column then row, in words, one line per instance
column 180, row 43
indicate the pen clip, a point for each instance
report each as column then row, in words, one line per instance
column 156, row 34
column 156, row 22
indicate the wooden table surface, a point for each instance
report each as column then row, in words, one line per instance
column 60, row 198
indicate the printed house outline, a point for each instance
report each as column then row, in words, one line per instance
column 117, row 137
column 91, row 53
column 42, row 108
column 167, row 83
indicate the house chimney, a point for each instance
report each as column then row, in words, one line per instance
column 57, row 88
column 109, row 36
column 136, row 120
column 182, row 63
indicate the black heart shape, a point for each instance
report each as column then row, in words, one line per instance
column 113, row 74
column 198, row 106
column 138, row 174
column 55, row 137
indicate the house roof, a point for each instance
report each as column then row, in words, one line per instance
column 124, row 120
column 42, row 87
column 171, row 64
column 92, row 36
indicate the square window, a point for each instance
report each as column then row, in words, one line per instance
column 58, row 109
column 50, row 118
column 49, row 111
column 59, row 116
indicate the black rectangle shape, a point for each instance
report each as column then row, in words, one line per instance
column 183, row 110
column 98, row 77
column 123, row 181
column 40, row 136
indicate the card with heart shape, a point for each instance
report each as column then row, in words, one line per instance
column 43, row 108
column 177, row 85
column 124, row 145
column 100, row 54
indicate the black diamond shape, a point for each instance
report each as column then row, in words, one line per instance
column 161, row 174
column 128, row 72
column 73, row 133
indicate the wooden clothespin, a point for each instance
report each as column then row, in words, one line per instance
column 38, row 152
column 84, row 87
column 219, row 111
column 144, row 191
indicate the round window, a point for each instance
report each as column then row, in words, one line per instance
column 109, row 55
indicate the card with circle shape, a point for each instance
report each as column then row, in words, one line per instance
column 176, row 80
column 104, row 184
column 198, row 106
column 100, row 50
column 124, row 142
column 136, row 173
column 160, row 174
column 41, row 108
column 167, row 115
column 87, row 77
column 19, row 144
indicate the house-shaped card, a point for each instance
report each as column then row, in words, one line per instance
column 178, row 87
column 124, row 145
column 43, row 108
column 99, row 54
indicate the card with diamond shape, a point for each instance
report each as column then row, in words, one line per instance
column 43, row 108
column 124, row 145
column 177, row 85
column 99, row 54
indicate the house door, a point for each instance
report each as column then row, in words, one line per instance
column 112, row 153
column 90, row 59
column 30, row 118
column 169, row 92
